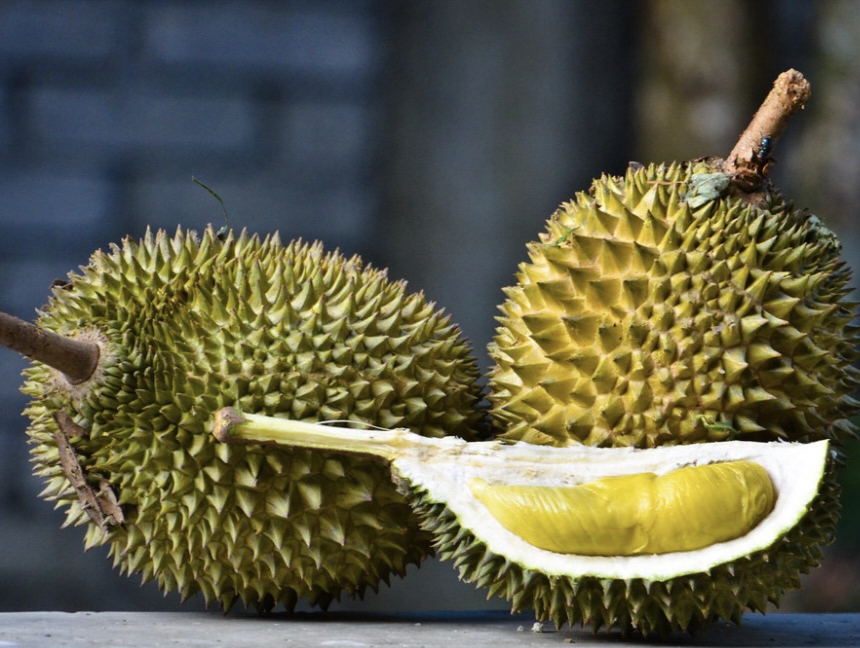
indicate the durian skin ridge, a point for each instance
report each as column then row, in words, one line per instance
column 193, row 324
column 643, row 321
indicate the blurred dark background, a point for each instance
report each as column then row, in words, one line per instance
column 432, row 137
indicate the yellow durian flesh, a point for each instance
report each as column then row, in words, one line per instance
column 643, row 513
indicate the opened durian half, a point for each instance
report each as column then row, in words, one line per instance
column 560, row 530
column 167, row 330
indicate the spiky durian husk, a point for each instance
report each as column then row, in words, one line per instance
column 190, row 325
column 687, row 603
column 659, row 309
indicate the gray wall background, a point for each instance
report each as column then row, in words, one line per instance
column 432, row 137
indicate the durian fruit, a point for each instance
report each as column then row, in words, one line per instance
column 184, row 325
column 514, row 518
column 679, row 303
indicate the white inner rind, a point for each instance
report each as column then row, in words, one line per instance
column 795, row 469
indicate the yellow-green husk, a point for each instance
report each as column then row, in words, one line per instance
column 189, row 324
column 659, row 308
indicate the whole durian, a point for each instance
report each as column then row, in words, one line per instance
column 661, row 308
column 185, row 325
column 681, row 303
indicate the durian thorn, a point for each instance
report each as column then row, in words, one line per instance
column 76, row 359
column 748, row 161
column 232, row 426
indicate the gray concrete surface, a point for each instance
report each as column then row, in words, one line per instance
column 138, row 630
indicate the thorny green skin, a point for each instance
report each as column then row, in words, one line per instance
column 190, row 325
column 658, row 308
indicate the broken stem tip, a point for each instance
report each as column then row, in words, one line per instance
column 77, row 359
column 750, row 156
column 225, row 421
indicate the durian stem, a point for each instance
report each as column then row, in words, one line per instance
column 749, row 158
column 232, row 426
column 77, row 359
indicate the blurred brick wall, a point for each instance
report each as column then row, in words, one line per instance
column 107, row 109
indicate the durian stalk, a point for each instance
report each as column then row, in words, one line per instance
column 234, row 427
column 76, row 359
column 748, row 161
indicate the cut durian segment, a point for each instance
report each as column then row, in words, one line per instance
column 645, row 513
column 441, row 471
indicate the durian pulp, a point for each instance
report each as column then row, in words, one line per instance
column 686, row 509
column 440, row 471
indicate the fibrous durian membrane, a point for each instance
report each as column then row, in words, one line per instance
column 643, row 513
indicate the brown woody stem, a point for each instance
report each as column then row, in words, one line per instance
column 77, row 359
column 100, row 505
column 748, row 159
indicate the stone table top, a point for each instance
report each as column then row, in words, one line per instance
column 343, row 630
